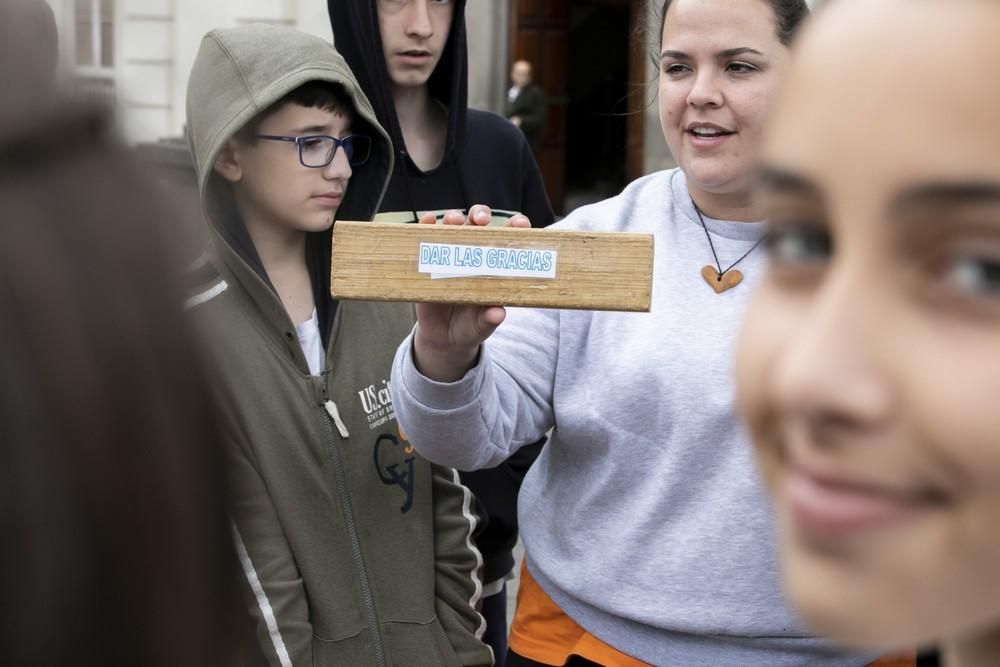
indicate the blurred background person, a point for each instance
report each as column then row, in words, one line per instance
column 526, row 104
column 870, row 360
column 29, row 55
column 116, row 547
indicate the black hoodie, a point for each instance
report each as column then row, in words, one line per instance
column 487, row 161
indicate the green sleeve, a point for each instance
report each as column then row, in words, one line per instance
column 276, row 594
column 458, row 569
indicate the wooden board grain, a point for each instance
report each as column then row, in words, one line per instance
column 375, row 261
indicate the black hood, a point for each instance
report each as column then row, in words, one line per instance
column 356, row 36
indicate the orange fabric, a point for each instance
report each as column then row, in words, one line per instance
column 905, row 660
column 544, row 633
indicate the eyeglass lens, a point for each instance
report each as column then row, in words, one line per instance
column 319, row 151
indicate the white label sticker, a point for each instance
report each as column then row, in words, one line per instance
column 449, row 260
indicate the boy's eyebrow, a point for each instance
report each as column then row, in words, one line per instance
column 947, row 193
column 777, row 179
column 725, row 53
column 311, row 129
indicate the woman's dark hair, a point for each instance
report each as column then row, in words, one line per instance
column 115, row 542
column 788, row 14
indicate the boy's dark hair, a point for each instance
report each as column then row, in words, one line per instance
column 788, row 15
column 312, row 94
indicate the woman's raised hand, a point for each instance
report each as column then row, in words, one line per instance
column 447, row 337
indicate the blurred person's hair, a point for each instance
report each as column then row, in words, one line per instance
column 29, row 54
column 116, row 547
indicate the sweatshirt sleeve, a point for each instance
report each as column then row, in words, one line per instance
column 277, row 595
column 458, row 569
column 502, row 403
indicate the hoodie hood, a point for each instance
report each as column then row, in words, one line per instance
column 239, row 73
column 356, row 35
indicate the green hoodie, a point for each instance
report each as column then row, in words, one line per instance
column 357, row 551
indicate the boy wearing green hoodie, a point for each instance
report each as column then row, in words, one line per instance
column 356, row 551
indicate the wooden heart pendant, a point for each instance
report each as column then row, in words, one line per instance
column 729, row 279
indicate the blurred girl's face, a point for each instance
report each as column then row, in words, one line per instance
column 720, row 64
column 869, row 369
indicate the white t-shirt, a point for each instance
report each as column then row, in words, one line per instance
column 312, row 343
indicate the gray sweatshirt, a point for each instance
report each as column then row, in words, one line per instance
column 643, row 518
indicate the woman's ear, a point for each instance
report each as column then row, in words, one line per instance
column 227, row 164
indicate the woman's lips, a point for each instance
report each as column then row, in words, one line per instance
column 828, row 510
column 706, row 141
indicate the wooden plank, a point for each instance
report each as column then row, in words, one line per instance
column 593, row 271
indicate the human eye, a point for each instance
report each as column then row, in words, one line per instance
column 315, row 147
column 976, row 275
column 739, row 67
column 675, row 69
column 798, row 244
column 967, row 269
column 311, row 142
column 798, row 249
column 955, row 261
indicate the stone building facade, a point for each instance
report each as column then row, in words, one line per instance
column 136, row 56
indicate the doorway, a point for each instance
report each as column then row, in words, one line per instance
column 587, row 61
column 597, row 88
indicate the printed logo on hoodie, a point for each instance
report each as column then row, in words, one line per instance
column 376, row 401
column 393, row 456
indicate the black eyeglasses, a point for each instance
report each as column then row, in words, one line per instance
column 317, row 150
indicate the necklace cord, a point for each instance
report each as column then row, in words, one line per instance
column 711, row 245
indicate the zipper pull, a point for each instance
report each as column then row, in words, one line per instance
column 331, row 409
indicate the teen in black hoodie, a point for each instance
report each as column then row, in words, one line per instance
column 484, row 159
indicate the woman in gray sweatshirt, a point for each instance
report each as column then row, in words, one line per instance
column 647, row 535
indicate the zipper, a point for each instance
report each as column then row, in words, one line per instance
column 331, row 409
column 352, row 530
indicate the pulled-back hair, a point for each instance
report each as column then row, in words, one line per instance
column 788, row 15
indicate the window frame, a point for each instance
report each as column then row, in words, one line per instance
column 97, row 70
